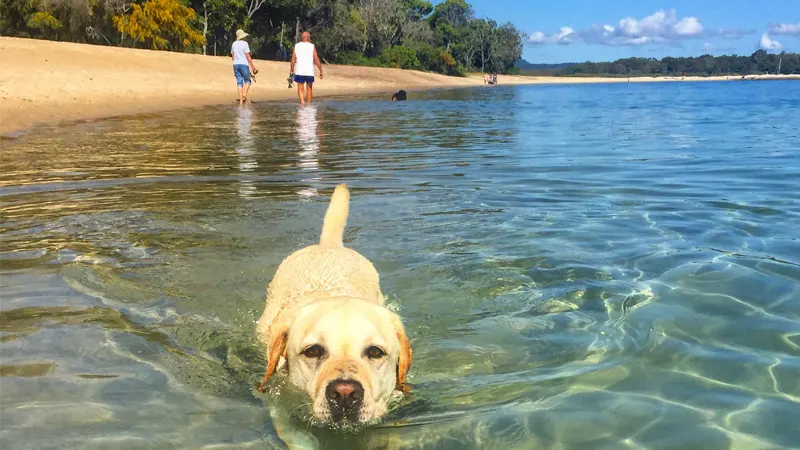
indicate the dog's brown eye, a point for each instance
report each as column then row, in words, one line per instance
column 374, row 352
column 315, row 351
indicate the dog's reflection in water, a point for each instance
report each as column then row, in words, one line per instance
column 293, row 419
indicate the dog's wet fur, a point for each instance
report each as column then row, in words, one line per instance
column 326, row 326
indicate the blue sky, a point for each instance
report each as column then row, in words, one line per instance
column 605, row 30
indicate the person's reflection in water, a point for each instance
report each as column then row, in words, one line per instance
column 244, row 149
column 308, row 141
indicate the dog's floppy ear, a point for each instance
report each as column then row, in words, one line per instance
column 278, row 337
column 404, row 362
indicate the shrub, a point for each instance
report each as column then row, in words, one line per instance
column 353, row 58
column 438, row 59
column 400, row 57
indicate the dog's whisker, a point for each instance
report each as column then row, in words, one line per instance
column 310, row 421
column 300, row 407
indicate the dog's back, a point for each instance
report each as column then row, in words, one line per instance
column 327, row 269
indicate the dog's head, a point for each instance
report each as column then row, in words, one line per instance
column 347, row 354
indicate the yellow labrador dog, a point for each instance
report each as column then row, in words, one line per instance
column 325, row 322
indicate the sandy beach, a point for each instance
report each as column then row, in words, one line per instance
column 51, row 82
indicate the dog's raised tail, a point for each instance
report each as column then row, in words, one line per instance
column 336, row 217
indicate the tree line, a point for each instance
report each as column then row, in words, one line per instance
column 409, row 34
column 759, row 62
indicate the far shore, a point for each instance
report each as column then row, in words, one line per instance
column 45, row 82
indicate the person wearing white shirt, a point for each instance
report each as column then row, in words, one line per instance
column 242, row 64
column 304, row 58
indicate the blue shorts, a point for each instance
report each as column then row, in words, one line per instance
column 242, row 72
column 300, row 79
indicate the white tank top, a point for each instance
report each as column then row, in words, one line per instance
column 304, row 52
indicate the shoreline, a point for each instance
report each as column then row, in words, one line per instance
column 49, row 82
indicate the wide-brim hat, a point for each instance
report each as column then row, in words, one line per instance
column 240, row 34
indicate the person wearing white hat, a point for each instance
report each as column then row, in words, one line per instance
column 242, row 64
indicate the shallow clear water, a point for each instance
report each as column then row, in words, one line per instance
column 605, row 266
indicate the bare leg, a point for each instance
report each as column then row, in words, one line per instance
column 246, row 91
column 310, row 92
column 241, row 96
column 301, row 93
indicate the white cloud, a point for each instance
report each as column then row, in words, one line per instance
column 708, row 47
column 768, row 43
column 785, row 28
column 688, row 26
column 663, row 26
column 537, row 37
column 565, row 35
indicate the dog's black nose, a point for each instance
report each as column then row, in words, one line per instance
column 345, row 396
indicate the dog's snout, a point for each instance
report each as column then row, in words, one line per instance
column 345, row 395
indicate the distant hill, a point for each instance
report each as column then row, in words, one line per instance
column 525, row 65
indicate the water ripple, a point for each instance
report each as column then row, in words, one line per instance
column 578, row 267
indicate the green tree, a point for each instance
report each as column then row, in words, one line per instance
column 14, row 16
column 456, row 13
column 216, row 14
column 418, row 33
column 400, row 57
column 444, row 38
column 383, row 23
column 417, row 9
column 339, row 31
column 509, row 43
column 70, row 20
column 758, row 62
